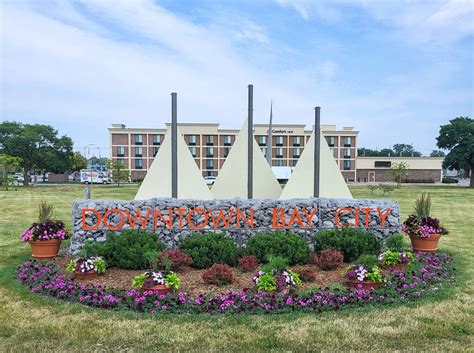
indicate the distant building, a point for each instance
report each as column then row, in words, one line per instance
column 420, row 169
column 210, row 145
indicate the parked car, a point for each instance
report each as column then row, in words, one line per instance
column 89, row 176
column 210, row 180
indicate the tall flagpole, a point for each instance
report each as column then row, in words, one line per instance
column 270, row 136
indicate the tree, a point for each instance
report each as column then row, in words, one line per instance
column 404, row 150
column 119, row 172
column 458, row 138
column 386, row 188
column 78, row 161
column 39, row 147
column 8, row 165
column 399, row 172
column 437, row 153
column 367, row 152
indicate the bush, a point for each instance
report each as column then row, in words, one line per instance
column 175, row 258
column 307, row 275
column 368, row 261
column 219, row 274
column 276, row 264
column 449, row 180
column 351, row 242
column 291, row 246
column 209, row 249
column 395, row 242
column 329, row 259
column 248, row 263
column 126, row 250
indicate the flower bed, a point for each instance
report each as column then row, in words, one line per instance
column 429, row 274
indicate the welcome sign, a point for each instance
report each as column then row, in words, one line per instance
column 174, row 219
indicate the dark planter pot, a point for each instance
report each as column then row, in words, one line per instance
column 85, row 275
column 363, row 284
column 45, row 249
column 429, row 244
column 160, row 288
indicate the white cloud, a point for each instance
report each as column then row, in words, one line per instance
column 252, row 32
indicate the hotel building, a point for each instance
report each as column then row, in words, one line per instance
column 210, row 145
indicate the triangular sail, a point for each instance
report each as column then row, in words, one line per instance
column 331, row 181
column 232, row 179
column 157, row 182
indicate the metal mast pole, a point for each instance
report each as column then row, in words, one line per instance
column 317, row 149
column 174, row 145
column 270, row 136
column 250, row 144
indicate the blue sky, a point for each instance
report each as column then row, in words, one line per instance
column 395, row 70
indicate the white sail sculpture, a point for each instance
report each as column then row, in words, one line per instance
column 331, row 181
column 232, row 179
column 157, row 182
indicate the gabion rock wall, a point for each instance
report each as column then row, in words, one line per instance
column 240, row 219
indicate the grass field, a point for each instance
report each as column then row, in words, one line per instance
column 33, row 323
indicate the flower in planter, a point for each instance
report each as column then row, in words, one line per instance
column 47, row 230
column 87, row 264
column 392, row 258
column 423, row 227
column 269, row 282
column 361, row 273
column 149, row 279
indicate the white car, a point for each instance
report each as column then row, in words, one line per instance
column 210, row 180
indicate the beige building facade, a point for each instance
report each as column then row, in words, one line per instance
column 209, row 145
column 420, row 169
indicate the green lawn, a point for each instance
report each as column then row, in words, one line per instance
column 34, row 323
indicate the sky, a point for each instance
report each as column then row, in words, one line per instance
column 395, row 70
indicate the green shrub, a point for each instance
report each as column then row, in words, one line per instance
column 351, row 242
column 129, row 250
column 210, row 248
column 395, row 242
column 368, row 261
column 290, row 246
column 276, row 264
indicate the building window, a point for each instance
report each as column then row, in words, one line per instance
column 294, row 162
column 330, row 140
column 262, row 140
column 192, row 140
column 264, row 151
column 279, row 163
column 209, row 164
column 155, row 151
column 279, row 153
column 193, row 151
column 138, row 164
column 226, row 151
column 121, row 151
column 209, row 152
column 347, row 152
column 347, row 142
column 209, row 140
column 227, row 140
column 138, row 151
column 156, row 140
column 383, row 164
column 138, row 140
column 347, row 165
column 296, row 140
column 279, row 140
column 296, row 152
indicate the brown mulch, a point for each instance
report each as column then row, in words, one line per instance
column 191, row 280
